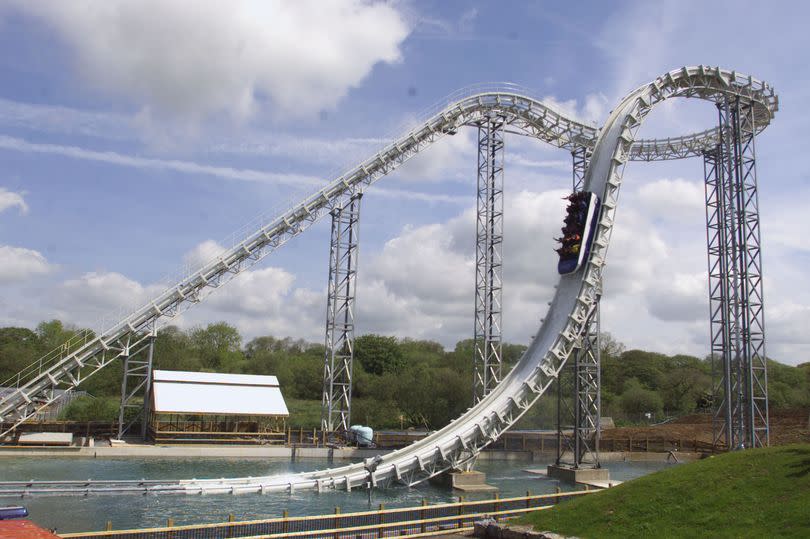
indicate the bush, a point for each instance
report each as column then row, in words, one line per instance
column 91, row 409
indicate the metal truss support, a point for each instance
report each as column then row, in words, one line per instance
column 579, row 384
column 136, row 381
column 336, row 405
column 736, row 307
column 488, row 257
column 580, row 157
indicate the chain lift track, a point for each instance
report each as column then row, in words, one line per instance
column 558, row 337
column 487, row 342
column 339, row 356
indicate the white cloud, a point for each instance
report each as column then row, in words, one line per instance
column 460, row 28
column 59, row 119
column 432, row 198
column 554, row 164
column 637, row 43
column 10, row 199
column 788, row 322
column 422, row 282
column 202, row 254
column 331, row 151
column 257, row 301
column 678, row 298
column 187, row 167
column 244, row 142
column 637, row 252
column 19, row 263
column 263, row 301
column 100, row 292
column 258, row 292
column 784, row 220
column 593, row 110
column 675, row 200
column 423, row 262
column 449, row 158
column 190, row 167
column 192, row 59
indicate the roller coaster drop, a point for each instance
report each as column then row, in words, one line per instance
column 569, row 330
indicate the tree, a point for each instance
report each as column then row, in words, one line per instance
column 511, row 354
column 53, row 334
column 19, row 347
column 637, row 400
column 424, row 352
column 648, row 367
column 609, row 346
column 218, row 346
column 378, row 354
column 461, row 359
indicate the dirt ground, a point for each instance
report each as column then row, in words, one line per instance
column 787, row 427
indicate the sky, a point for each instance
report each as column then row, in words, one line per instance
column 139, row 138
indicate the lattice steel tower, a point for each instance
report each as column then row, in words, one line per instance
column 336, row 405
column 736, row 307
column 488, row 257
column 136, row 383
column 579, row 382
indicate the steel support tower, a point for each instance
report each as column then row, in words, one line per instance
column 136, row 381
column 487, row 342
column 339, row 356
column 736, row 307
column 579, row 383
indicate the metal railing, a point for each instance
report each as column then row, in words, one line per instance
column 416, row 521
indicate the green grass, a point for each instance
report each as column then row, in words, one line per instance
column 754, row 493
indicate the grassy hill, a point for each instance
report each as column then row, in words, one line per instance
column 755, row 493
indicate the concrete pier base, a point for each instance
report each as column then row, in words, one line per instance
column 578, row 475
column 471, row 481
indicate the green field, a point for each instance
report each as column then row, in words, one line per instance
column 755, row 493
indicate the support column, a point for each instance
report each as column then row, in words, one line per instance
column 736, row 306
column 487, row 341
column 579, row 384
column 339, row 356
column 137, row 380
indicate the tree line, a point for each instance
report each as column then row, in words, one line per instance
column 398, row 383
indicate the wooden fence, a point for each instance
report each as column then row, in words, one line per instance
column 416, row 521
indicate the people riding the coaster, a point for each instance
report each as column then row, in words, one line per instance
column 568, row 250
column 576, row 196
column 574, row 220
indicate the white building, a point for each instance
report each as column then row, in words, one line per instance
column 214, row 407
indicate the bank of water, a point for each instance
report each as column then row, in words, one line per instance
column 70, row 514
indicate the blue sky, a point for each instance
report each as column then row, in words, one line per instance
column 136, row 137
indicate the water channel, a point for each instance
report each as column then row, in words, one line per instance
column 72, row 514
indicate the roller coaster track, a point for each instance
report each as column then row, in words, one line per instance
column 575, row 299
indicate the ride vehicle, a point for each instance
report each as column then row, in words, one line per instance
column 580, row 226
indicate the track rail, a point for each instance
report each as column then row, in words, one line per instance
column 575, row 298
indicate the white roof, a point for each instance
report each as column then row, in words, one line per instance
column 215, row 393
column 214, row 378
